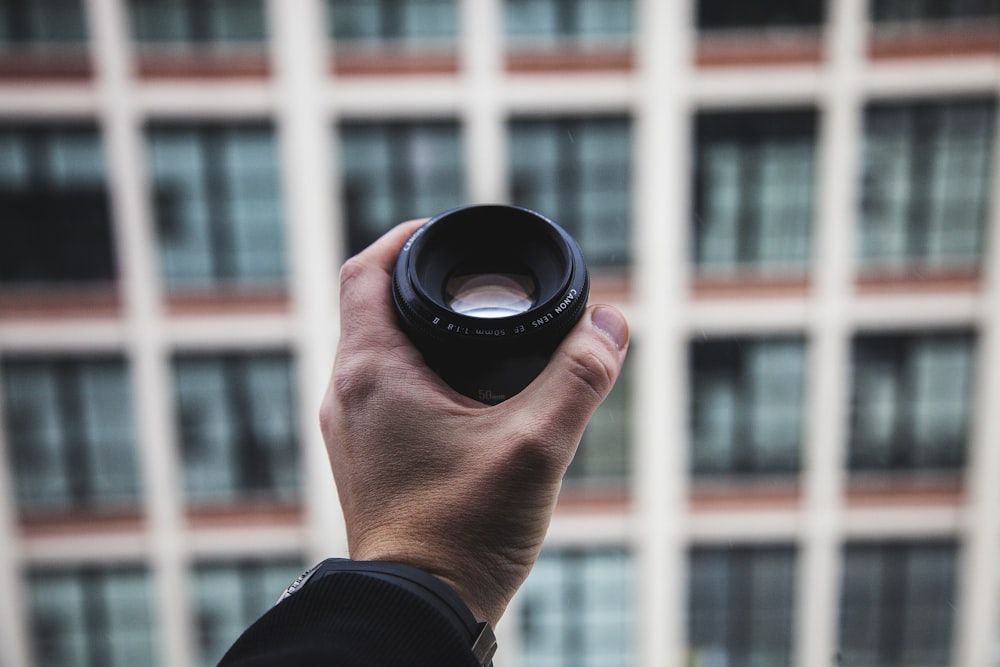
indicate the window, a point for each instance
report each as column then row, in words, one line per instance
column 394, row 22
column 715, row 14
column 218, row 206
column 741, row 606
column 896, row 604
column 70, row 434
column 576, row 609
column 230, row 595
column 603, row 456
column 747, row 406
column 41, row 24
column 925, row 192
column 576, row 171
column 562, row 22
column 56, row 226
column 398, row 171
column 92, row 617
column 237, row 424
column 198, row 22
column 912, row 401
column 918, row 11
column 754, row 183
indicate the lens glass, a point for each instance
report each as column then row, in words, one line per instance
column 491, row 295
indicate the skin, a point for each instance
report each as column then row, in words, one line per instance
column 433, row 479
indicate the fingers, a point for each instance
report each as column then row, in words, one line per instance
column 383, row 252
column 581, row 373
column 365, row 284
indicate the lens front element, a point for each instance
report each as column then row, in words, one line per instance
column 491, row 295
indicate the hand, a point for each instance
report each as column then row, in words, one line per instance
column 434, row 479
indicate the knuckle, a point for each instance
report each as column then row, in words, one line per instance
column 591, row 373
column 350, row 271
column 353, row 381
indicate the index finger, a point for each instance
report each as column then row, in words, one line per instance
column 365, row 279
column 384, row 251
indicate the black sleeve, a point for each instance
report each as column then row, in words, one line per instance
column 352, row 620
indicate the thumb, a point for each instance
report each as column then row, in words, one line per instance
column 582, row 370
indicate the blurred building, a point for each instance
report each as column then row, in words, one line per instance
column 794, row 202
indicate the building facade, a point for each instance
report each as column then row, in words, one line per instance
column 793, row 202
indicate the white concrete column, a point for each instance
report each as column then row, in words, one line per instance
column 14, row 637
column 310, row 203
column 661, row 146
column 829, row 335
column 146, row 349
column 483, row 116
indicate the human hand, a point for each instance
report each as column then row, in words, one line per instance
column 436, row 480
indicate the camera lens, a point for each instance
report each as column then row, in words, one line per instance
column 486, row 293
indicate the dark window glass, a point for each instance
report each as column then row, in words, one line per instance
column 572, row 21
column 926, row 185
column 740, row 606
column 896, row 605
column 747, row 405
column 56, row 222
column 393, row 21
column 397, row 171
column 912, row 401
column 577, row 171
column 603, row 457
column 229, row 596
column 907, row 11
column 38, row 23
column 237, row 425
column 70, row 433
column 218, row 206
column 576, row 609
column 754, row 191
column 198, row 21
column 92, row 617
column 761, row 14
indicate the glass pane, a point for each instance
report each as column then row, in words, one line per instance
column 205, row 22
column 42, row 22
column 414, row 22
column 577, row 172
column 58, row 624
column 942, row 380
column 93, row 615
column 926, row 187
column 206, row 430
column 754, row 188
column 218, row 206
column 747, row 405
column 897, row 602
column 69, row 425
column 397, row 171
column 740, row 606
column 35, row 436
column 776, row 370
column 237, row 428
column 576, row 609
column 106, row 398
column 129, row 615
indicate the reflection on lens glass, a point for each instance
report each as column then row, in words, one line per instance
column 491, row 295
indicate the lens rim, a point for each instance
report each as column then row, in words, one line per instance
column 562, row 296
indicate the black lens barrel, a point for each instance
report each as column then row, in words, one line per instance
column 489, row 359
